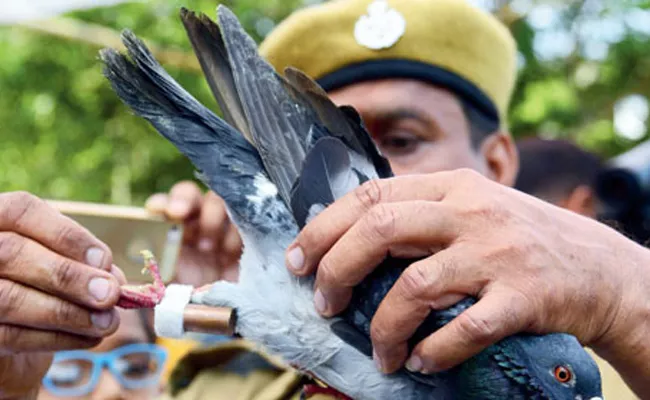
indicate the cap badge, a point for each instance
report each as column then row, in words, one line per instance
column 381, row 28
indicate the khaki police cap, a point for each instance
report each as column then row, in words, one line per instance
column 449, row 43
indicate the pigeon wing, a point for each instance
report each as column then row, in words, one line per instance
column 229, row 164
column 210, row 50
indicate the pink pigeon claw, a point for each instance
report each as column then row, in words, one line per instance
column 312, row 390
column 144, row 296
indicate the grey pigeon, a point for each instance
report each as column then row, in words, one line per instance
column 282, row 153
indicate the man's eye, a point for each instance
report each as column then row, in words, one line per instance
column 398, row 145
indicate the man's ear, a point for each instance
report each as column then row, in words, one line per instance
column 582, row 200
column 501, row 158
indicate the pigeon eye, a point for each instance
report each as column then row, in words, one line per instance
column 563, row 374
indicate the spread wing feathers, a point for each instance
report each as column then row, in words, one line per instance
column 232, row 164
column 283, row 138
column 342, row 122
column 210, row 50
column 330, row 115
column 381, row 164
column 279, row 122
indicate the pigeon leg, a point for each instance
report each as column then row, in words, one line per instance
column 144, row 296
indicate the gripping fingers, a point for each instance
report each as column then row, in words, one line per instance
column 31, row 217
column 157, row 203
column 17, row 340
column 494, row 317
column 182, row 204
column 213, row 223
column 327, row 227
column 423, row 224
column 185, row 200
column 430, row 284
column 31, row 264
column 26, row 307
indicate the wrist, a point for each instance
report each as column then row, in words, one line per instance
column 624, row 341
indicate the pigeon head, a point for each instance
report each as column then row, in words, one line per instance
column 562, row 370
column 534, row 367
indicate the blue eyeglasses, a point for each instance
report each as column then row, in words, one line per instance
column 77, row 372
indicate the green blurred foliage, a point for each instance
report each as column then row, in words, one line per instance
column 65, row 135
column 63, row 132
column 574, row 96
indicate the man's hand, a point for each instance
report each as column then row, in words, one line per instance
column 534, row 267
column 58, row 288
column 211, row 243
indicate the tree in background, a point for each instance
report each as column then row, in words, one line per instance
column 584, row 74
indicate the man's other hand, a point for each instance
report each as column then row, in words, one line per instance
column 58, row 289
column 534, row 267
column 211, row 244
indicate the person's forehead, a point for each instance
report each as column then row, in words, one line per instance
column 381, row 97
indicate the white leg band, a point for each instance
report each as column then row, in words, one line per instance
column 168, row 314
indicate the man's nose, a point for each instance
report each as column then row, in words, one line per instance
column 108, row 388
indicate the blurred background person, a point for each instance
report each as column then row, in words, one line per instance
column 559, row 172
column 126, row 365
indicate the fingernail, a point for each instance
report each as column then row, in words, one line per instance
column 414, row 364
column 102, row 320
column 378, row 362
column 94, row 257
column 206, row 245
column 99, row 288
column 118, row 274
column 296, row 259
column 178, row 207
column 320, row 302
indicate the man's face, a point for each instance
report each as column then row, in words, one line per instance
column 419, row 127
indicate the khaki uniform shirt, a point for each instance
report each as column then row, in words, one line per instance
column 236, row 371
